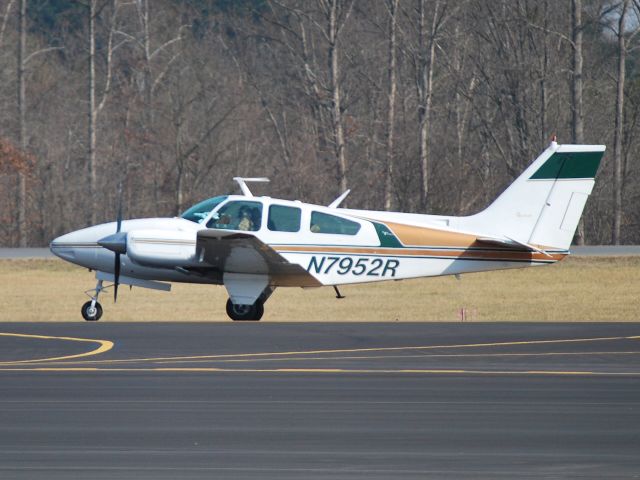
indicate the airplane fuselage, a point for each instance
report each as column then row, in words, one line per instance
column 164, row 249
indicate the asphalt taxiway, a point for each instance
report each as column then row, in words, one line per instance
column 319, row 400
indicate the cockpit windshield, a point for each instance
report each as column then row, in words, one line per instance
column 201, row 210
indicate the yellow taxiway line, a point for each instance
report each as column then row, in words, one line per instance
column 104, row 346
column 323, row 371
column 51, row 364
column 294, row 354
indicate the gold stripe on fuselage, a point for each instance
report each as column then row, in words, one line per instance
column 413, row 236
column 449, row 252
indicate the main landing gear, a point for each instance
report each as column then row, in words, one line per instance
column 253, row 312
column 245, row 312
column 92, row 310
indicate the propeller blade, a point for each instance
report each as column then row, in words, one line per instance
column 116, row 274
column 118, row 244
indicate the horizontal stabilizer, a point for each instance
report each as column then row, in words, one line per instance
column 511, row 243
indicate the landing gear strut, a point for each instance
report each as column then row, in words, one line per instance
column 245, row 312
column 92, row 310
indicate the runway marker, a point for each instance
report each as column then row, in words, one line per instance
column 105, row 346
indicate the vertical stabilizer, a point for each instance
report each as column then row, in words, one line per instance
column 543, row 205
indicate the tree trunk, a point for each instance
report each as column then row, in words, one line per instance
column 148, row 110
column 425, row 90
column 577, row 119
column 179, row 168
column 544, row 78
column 93, row 201
column 336, row 94
column 22, row 115
column 617, row 135
column 388, row 174
column 5, row 19
column 312, row 89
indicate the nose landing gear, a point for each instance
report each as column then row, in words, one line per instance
column 92, row 310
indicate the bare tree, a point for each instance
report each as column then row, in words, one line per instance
column 392, row 6
column 5, row 19
column 98, row 100
column 465, row 83
column 426, row 58
column 618, row 128
column 577, row 116
column 22, row 116
column 336, row 13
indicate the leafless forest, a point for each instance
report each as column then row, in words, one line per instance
column 416, row 105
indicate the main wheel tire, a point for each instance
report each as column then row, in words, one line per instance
column 91, row 314
column 245, row 312
column 259, row 309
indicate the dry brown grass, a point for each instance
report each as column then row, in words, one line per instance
column 578, row 289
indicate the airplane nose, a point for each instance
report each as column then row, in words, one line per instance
column 80, row 246
column 67, row 246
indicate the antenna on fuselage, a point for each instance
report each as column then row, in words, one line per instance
column 243, row 184
column 339, row 200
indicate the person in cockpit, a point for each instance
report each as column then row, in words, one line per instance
column 246, row 220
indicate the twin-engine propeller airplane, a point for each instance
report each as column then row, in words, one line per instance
column 252, row 245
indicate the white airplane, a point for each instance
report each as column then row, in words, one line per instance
column 252, row 245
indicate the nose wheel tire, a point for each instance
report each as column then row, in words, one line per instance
column 91, row 314
column 245, row 312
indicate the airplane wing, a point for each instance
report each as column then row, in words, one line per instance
column 235, row 252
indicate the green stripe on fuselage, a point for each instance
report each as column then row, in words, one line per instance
column 386, row 236
column 569, row 165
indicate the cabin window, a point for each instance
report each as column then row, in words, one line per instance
column 240, row 215
column 201, row 210
column 325, row 223
column 284, row 219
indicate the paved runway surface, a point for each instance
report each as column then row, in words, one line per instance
column 309, row 401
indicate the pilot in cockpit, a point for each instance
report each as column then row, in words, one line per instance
column 246, row 221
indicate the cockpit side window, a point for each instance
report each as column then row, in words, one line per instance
column 325, row 223
column 201, row 210
column 238, row 215
column 284, row 219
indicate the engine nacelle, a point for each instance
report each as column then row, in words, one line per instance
column 162, row 248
